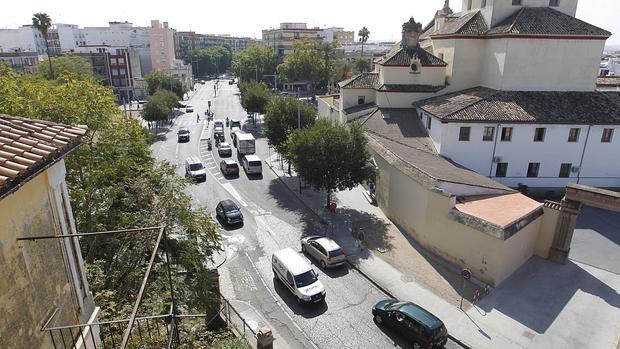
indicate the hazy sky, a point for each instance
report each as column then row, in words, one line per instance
column 247, row 18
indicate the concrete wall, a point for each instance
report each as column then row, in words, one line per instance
column 34, row 274
column 349, row 96
column 498, row 10
column 434, row 76
column 400, row 99
column 424, row 214
column 547, row 231
column 327, row 110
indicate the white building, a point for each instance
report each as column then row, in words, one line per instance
column 25, row 38
column 486, row 84
column 338, row 34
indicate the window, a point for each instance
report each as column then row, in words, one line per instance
column 516, row 2
column 565, row 170
column 554, row 3
column 539, row 134
column 607, row 134
column 361, row 100
column 573, row 135
column 506, row 134
column 428, row 122
column 532, row 169
column 483, row 4
column 121, row 61
column 502, row 168
column 464, row 133
column 487, row 135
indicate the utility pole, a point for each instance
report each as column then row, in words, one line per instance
column 298, row 127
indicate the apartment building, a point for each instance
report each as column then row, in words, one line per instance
column 282, row 38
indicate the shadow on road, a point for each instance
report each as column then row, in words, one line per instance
column 398, row 340
column 284, row 199
column 308, row 311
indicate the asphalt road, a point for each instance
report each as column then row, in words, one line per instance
column 274, row 219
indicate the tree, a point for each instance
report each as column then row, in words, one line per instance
column 281, row 119
column 255, row 97
column 160, row 81
column 79, row 66
column 254, row 63
column 344, row 70
column 43, row 22
column 212, row 60
column 159, row 106
column 304, row 64
column 115, row 183
column 330, row 157
column 327, row 50
column 363, row 34
column 361, row 64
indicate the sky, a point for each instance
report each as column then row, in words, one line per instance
column 249, row 17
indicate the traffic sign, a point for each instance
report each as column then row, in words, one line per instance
column 466, row 274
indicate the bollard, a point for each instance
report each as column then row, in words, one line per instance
column 264, row 338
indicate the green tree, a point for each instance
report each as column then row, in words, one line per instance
column 363, row 34
column 160, row 81
column 255, row 97
column 79, row 66
column 159, row 106
column 255, row 61
column 361, row 64
column 304, row 64
column 212, row 60
column 115, row 183
column 330, row 157
column 344, row 70
column 281, row 119
column 43, row 22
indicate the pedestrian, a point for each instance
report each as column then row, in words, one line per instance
column 360, row 239
column 197, row 117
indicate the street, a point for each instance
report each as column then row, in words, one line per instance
column 274, row 219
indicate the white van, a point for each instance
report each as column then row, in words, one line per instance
column 297, row 275
column 252, row 164
column 195, row 169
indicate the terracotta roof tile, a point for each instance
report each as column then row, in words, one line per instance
column 27, row 146
column 363, row 80
column 403, row 57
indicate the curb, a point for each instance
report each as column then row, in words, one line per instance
column 323, row 221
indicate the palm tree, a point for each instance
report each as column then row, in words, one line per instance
column 363, row 34
column 43, row 22
column 344, row 70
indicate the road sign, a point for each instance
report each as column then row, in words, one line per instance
column 466, row 274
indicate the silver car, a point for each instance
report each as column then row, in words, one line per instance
column 325, row 250
column 224, row 149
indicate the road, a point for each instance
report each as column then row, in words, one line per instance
column 274, row 219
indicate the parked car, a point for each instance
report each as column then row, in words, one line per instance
column 298, row 276
column 183, row 135
column 229, row 167
column 218, row 132
column 224, row 149
column 229, row 212
column 325, row 250
column 411, row 321
column 235, row 123
column 252, row 165
column 218, row 123
column 195, row 169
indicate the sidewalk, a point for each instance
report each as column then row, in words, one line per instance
column 524, row 312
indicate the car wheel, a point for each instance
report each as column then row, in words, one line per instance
column 323, row 265
column 378, row 319
column 303, row 249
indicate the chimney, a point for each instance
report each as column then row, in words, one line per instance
column 411, row 34
column 440, row 16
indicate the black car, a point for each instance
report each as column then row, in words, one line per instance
column 235, row 123
column 229, row 212
column 411, row 321
column 183, row 135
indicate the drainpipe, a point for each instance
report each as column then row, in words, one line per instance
column 583, row 153
column 494, row 147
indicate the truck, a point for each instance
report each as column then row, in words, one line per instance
column 246, row 144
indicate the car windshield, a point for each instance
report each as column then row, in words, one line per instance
column 396, row 305
column 305, row 279
column 196, row 167
column 183, row 131
column 232, row 165
column 254, row 163
column 224, row 146
column 231, row 208
column 335, row 253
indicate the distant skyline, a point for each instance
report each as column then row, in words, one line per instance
column 248, row 18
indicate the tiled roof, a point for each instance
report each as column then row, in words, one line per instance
column 469, row 23
column 363, row 80
column 482, row 104
column 26, row 146
column 545, row 21
column 410, row 88
column 608, row 81
column 401, row 132
column 361, row 107
column 402, row 57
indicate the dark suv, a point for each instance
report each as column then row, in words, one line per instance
column 411, row 321
column 183, row 135
column 229, row 212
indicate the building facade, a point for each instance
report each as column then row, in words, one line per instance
column 188, row 41
column 282, row 38
column 44, row 280
column 161, row 39
column 21, row 62
column 337, row 34
column 25, row 38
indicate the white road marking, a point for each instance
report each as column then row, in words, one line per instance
column 213, row 167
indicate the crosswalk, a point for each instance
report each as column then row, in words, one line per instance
column 187, row 122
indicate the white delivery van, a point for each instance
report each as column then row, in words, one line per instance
column 297, row 275
column 252, row 164
column 246, row 144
